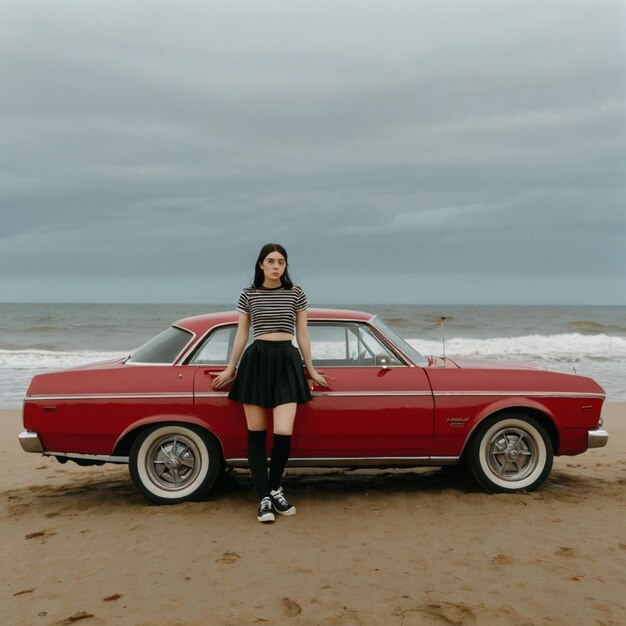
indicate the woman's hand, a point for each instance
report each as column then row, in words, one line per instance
column 318, row 379
column 224, row 378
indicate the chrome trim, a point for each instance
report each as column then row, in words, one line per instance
column 364, row 462
column 364, row 367
column 348, row 394
column 103, row 458
column 184, row 357
column 212, row 394
column 30, row 442
column 523, row 394
column 597, row 438
column 152, row 396
column 139, row 364
column 351, row 394
column 128, row 396
column 215, row 394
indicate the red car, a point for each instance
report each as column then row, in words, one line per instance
column 387, row 406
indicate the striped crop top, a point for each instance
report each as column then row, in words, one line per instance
column 272, row 310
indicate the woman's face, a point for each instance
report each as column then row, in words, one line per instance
column 273, row 266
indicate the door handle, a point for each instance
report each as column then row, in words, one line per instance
column 317, row 387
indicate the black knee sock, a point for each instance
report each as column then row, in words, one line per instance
column 280, row 455
column 257, row 459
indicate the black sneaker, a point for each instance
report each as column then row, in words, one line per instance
column 280, row 503
column 266, row 511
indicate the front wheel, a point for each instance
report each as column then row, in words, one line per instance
column 173, row 463
column 511, row 452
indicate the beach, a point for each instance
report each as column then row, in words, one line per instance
column 368, row 547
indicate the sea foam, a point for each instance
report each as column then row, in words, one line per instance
column 563, row 347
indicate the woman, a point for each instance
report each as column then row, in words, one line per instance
column 270, row 374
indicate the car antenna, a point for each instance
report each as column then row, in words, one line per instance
column 442, row 319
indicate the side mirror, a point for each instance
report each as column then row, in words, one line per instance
column 382, row 360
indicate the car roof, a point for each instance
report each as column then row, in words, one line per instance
column 199, row 324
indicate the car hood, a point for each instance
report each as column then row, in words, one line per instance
column 493, row 364
column 508, row 377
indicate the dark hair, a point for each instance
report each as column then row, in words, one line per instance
column 259, row 277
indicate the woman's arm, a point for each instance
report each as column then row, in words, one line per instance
column 241, row 338
column 304, row 343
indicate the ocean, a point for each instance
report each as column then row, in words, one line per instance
column 590, row 340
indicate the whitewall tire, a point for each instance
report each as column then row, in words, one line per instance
column 174, row 463
column 510, row 452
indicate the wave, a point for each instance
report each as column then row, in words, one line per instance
column 553, row 348
column 567, row 347
column 589, row 326
column 51, row 359
column 43, row 329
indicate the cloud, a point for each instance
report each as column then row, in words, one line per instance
column 435, row 219
column 465, row 139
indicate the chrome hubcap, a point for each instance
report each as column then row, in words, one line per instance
column 512, row 454
column 173, row 462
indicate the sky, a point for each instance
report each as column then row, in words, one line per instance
column 453, row 152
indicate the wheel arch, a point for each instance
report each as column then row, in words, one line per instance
column 541, row 414
column 126, row 439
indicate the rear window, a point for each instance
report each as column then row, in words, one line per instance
column 164, row 348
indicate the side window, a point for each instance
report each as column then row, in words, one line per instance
column 347, row 345
column 328, row 344
column 216, row 348
column 164, row 348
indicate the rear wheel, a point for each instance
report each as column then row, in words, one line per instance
column 510, row 452
column 174, row 463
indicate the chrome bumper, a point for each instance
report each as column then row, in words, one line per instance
column 30, row 441
column 597, row 438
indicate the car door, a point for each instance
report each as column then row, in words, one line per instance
column 224, row 417
column 377, row 406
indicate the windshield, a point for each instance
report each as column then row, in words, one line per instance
column 164, row 348
column 402, row 344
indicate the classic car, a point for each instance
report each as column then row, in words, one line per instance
column 387, row 406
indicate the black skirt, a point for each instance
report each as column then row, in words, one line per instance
column 270, row 373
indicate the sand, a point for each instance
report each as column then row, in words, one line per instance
column 388, row 547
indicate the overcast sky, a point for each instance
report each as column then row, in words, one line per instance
column 403, row 152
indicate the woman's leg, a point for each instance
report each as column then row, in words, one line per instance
column 284, row 417
column 256, row 417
